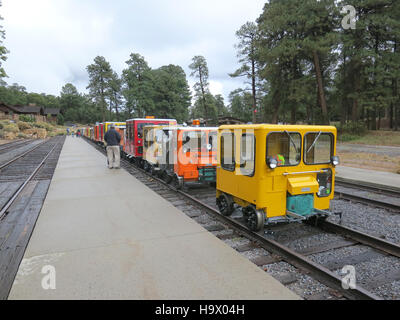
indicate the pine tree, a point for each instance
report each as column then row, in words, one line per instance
column 200, row 71
column 114, row 94
column 100, row 75
column 137, row 86
column 247, row 51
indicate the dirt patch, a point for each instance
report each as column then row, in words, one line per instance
column 370, row 161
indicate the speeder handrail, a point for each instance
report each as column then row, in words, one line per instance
column 302, row 172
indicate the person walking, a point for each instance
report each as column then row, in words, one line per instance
column 113, row 138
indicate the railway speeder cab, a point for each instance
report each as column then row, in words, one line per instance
column 134, row 136
column 191, row 154
column 152, row 148
column 276, row 173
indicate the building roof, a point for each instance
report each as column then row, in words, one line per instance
column 51, row 111
column 29, row 109
column 26, row 109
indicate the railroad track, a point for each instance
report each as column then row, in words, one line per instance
column 23, row 187
column 37, row 167
column 197, row 202
column 14, row 144
column 377, row 188
column 9, row 144
column 370, row 194
column 20, row 155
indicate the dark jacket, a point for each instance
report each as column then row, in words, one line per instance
column 112, row 137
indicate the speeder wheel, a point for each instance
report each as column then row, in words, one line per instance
column 225, row 205
column 255, row 220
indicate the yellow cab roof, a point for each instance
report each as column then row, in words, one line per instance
column 279, row 127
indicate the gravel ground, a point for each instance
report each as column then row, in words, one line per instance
column 235, row 242
column 377, row 222
column 305, row 286
column 339, row 253
column 205, row 219
column 295, row 233
column 369, row 270
column 318, row 239
column 255, row 253
column 389, row 291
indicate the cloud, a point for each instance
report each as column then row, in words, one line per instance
column 52, row 42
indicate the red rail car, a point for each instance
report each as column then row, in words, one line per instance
column 134, row 135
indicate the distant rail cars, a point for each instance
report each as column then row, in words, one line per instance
column 97, row 132
column 275, row 172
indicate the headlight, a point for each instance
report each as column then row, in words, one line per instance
column 335, row 160
column 272, row 163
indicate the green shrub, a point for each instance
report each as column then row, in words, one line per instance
column 44, row 125
column 1, row 133
column 60, row 119
column 1, row 126
column 26, row 118
column 12, row 127
column 345, row 137
column 21, row 135
column 353, row 128
column 39, row 125
column 24, row 126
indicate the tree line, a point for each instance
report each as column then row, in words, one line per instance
column 323, row 61
column 306, row 61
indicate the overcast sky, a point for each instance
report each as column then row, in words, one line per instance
column 52, row 41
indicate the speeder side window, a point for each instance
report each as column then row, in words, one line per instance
column 247, row 154
column 140, row 127
column 193, row 140
column 227, row 148
column 212, row 140
column 148, row 137
column 285, row 147
column 318, row 147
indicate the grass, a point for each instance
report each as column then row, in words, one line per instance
column 380, row 138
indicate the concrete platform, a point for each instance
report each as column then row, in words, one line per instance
column 369, row 176
column 110, row 237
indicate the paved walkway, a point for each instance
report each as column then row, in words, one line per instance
column 369, row 176
column 110, row 237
